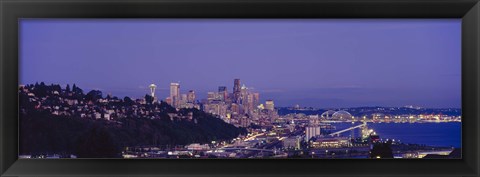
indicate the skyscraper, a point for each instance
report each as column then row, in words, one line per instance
column 222, row 90
column 236, row 91
column 269, row 105
column 256, row 99
column 235, row 108
column 249, row 105
column 175, row 93
column 210, row 96
column 183, row 99
column 191, row 96
column 243, row 94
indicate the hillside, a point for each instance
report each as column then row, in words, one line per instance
column 42, row 132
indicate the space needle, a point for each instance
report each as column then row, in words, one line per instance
column 152, row 89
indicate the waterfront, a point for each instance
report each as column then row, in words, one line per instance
column 404, row 143
column 446, row 134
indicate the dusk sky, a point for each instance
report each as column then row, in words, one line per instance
column 327, row 63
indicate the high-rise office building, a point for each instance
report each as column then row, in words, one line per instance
column 222, row 90
column 269, row 105
column 235, row 108
column 236, row 91
column 183, row 98
column 211, row 96
column 256, row 99
column 175, row 93
column 191, row 96
column 243, row 94
column 249, row 105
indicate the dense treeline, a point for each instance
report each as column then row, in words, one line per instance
column 42, row 132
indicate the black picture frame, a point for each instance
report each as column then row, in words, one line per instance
column 12, row 10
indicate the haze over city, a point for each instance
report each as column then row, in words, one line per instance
column 317, row 63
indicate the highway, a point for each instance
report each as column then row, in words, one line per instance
column 269, row 146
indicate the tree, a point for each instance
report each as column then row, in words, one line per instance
column 148, row 99
column 382, row 150
column 128, row 101
column 164, row 106
column 67, row 89
column 77, row 90
column 97, row 143
column 93, row 95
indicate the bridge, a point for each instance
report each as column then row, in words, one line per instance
column 348, row 129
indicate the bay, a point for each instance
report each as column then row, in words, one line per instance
column 445, row 134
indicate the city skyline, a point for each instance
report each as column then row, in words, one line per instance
column 427, row 72
column 236, row 126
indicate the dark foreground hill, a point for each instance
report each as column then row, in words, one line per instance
column 42, row 132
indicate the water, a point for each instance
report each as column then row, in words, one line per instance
column 447, row 134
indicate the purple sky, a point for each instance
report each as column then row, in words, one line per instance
column 318, row 63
